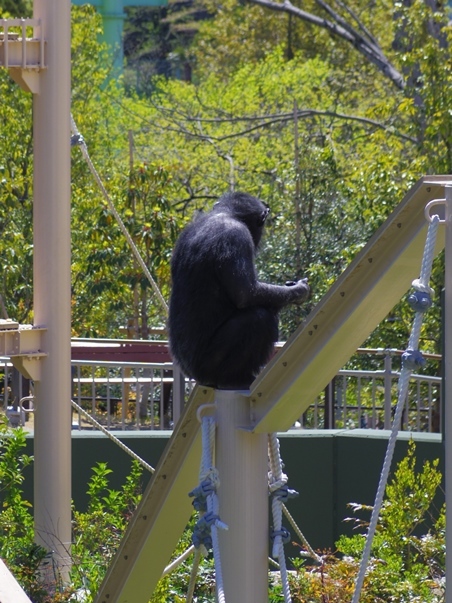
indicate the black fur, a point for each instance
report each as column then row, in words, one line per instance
column 223, row 322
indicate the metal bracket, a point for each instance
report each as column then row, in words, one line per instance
column 23, row 344
column 23, row 57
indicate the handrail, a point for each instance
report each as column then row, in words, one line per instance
column 18, row 50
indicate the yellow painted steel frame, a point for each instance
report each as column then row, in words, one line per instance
column 362, row 296
column 10, row 590
column 360, row 299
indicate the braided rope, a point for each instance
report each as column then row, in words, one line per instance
column 277, row 479
column 206, row 501
column 310, row 551
column 193, row 575
column 113, row 438
column 209, row 426
column 177, row 562
column 403, row 391
column 82, row 144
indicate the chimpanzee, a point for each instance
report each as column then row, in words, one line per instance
column 223, row 322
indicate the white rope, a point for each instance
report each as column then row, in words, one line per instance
column 113, row 438
column 277, row 479
column 193, row 575
column 82, row 144
column 207, row 491
column 421, row 285
column 310, row 551
column 175, row 564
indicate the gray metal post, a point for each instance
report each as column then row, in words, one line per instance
column 242, row 462
column 388, row 389
column 52, row 293
column 178, row 392
column 448, row 390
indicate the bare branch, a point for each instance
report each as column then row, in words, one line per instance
column 358, row 21
column 269, row 120
column 339, row 28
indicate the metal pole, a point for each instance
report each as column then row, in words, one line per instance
column 448, row 390
column 388, row 389
column 242, row 462
column 113, row 17
column 178, row 393
column 52, row 293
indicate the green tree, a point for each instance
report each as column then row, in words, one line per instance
column 17, row 8
column 102, row 269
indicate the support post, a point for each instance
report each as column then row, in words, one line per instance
column 178, row 392
column 113, row 17
column 388, row 389
column 52, row 292
column 242, row 462
column 448, row 390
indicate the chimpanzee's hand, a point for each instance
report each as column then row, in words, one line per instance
column 300, row 289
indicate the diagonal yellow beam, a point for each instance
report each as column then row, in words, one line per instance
column 360, row 299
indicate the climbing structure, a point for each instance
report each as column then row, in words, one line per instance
column 360, row 299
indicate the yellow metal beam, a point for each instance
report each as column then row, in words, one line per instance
column 24, row 345
column 10, row 590
column 359, row 300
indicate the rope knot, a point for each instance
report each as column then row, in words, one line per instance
column 77, row 140
column 282, row 533
column 201, row 492
column 202, row 531
column 412, row 359
column 284, row 493
column 276, row 484
column 420, row 301
column 423, row 288
column 201, row 539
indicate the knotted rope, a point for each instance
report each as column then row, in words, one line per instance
column 279, row 492
column 411, row 359
column 205, row 533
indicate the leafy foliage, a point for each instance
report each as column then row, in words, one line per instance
column 17, row 547
column 97, row 532
column 17, row 8
column 407, row 559
column 290, row 115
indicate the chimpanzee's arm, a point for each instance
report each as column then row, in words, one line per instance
column 238, row 276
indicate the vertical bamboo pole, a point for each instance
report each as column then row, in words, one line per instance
column 52, row 288
column 448, row 390
column 241, row 459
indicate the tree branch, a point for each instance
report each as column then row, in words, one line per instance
column 269, row 120
column 339, row 28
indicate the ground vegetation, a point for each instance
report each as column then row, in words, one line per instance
column 407, row 561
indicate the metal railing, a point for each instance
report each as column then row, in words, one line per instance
column 366, row 399
column 125, row 395
column 22, row 44
column 136, row 396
